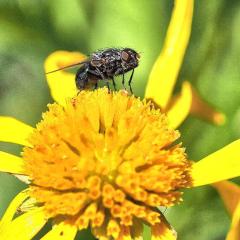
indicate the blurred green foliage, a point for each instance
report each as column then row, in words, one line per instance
column 30, row 30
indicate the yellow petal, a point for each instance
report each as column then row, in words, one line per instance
column 221, row 165
column 234, row 232
column 202, row 109
column 62, row 83
column 29, row 204
column 61, row 231
column 24, row 227
column 10, row 163
column 181, row 107
column 165, row 70
column 12, row 208
column 14, row 131
column 230, row 193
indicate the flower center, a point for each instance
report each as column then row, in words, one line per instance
column 105, row 159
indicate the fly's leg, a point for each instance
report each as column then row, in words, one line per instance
column 130, row 80
column 96, row 86
column 123, row 81
column 120, row 71
column 108, row 87
column 114, row 84
column 96, row 72
column 102, row 77
column 81, row 78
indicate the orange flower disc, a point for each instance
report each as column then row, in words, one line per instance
column 106, row 160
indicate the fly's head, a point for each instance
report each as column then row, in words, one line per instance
column 130, row 58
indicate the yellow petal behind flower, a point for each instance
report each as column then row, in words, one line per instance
column 25, row 226
column 12, row 208
column 234, row 232
column 165, row 70
column 61, row 231
column 202, row 109
column 230, row 193
column 221, row 165
column 14, row 131
column 181, row 106
column 62, row 83
column 10, row 163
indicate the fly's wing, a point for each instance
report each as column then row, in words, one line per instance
column 69, row 66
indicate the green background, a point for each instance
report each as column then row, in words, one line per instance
column 31, row 30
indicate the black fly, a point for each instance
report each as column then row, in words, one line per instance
column 105, row 65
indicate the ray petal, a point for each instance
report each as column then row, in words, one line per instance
column 14, row 131
column 25, row 226
column 181, row 107
column 61, row 231
column 12, row 209
column 218, row 166
column 61, row 83
column 10, row 163
column 166, row 68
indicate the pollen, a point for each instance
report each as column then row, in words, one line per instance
column 105, row 160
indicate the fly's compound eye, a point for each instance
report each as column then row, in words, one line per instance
column 125, row 56
column 96, row 62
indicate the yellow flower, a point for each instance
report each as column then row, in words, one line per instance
column 114, row 177
column 109, row 160
column 230, row 193
column 86, row 168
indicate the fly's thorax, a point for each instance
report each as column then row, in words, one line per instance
column 108, row 63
